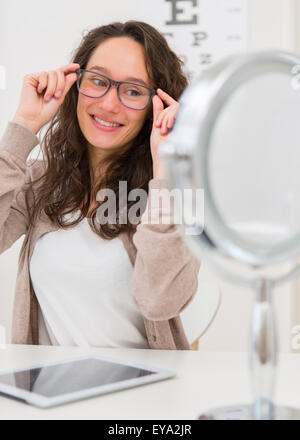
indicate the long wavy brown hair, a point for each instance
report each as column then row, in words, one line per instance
column 65, row 185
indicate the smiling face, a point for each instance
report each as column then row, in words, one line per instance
column 121, row 59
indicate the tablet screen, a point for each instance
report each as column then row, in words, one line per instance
column 72, row 376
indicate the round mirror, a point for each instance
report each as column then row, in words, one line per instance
column 236, row 137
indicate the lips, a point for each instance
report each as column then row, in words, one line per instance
column 110, row 121
column 105, row 128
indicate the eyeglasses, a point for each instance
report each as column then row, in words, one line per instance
column 131, row 94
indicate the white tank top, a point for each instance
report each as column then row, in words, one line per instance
column 83, row 286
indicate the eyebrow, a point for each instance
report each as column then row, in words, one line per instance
column 131, row 78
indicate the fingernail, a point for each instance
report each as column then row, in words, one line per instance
column 47, row 97
column 58, row 93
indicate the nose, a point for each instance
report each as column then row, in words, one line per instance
column 110, row 101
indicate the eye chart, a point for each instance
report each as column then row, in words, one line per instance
column 199, row 31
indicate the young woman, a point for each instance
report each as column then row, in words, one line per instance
column 80, row 282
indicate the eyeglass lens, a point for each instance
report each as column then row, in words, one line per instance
column 131, row 95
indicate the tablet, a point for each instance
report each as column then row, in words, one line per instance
column 57, row 383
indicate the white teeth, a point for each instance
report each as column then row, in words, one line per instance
column 107, row 124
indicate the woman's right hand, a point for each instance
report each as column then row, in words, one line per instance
column 40, row 98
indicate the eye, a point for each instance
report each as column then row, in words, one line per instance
column 99, row 82
column 133, row 92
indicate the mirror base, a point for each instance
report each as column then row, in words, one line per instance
column 245, row 412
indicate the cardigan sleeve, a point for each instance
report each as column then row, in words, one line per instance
column 165, row 274
column 15, row 146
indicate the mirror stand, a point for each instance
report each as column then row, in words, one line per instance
column 263, row 363
column 263, row 354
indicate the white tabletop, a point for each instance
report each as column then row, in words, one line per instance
column 203, row 381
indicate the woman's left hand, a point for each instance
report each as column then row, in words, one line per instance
column 163, row 121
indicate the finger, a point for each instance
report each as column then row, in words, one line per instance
column 164, row 128
column 159, row 119
column 70, row 67
column 168, row 112
column 42, row 79
column 60, row 84
column 171, row 122
column 165, row 97
column 158, row 107
column 52, row 82
column 69, row 81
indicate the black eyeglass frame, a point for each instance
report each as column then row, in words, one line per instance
column 113, row 83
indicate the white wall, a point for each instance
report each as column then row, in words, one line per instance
column 38, row 36
column 272, row 24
